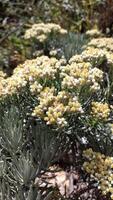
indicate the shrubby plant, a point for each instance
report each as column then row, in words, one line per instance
column 41, row 31
column 52, row 40
column 50, row 107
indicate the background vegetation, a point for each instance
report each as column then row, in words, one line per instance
column 16, row 16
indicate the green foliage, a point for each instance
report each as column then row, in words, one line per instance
column 66, row 46
column 11, row 131
column 22, row 159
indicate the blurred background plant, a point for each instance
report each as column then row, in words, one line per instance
column 75, row 16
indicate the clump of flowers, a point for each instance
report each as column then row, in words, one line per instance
column 101, row 168
column 102, row 43
column 93, row 33
column 100, row 110
column 55, row 84
column 54, row 104
column 42, row 67
column 13, row 85
column 99, row 52
column 93, row 55
column 34, row 72
column 53, row 107
column 76, row 58
column 41, row 31
column 80, row 74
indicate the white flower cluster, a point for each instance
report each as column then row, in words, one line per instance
column 53, row 107
column 100, row 110
column 104, row 46
column 101, row 168
column 94, row 55
column 102, row 43
column 35, row 72
column 41, row 31
column 81, row 74
column 99, row 52
column 93, row 33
